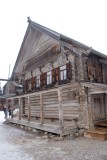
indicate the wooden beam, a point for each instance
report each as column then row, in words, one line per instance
column 12, row 108
column 60, row 109
column 41, row 105
column 98, row 92
column 29, row 110
column 20, row 109
column 74, row 85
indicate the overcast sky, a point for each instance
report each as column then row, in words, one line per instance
column 82, row 20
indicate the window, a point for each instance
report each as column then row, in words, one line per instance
column 94, row 73
column 63, row 73
column 49, row 78
column 28, row 85
column 38, row 81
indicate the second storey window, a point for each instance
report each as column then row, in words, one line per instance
column 49, row 78
column 38, row 81
column 63, row 73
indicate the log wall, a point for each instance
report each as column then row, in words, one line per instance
column 51, row 105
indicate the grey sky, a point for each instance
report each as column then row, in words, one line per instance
column 82, row 20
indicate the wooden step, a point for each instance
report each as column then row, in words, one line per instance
column 99, row 133
column 101, row 123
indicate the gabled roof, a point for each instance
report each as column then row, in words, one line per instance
column 43, row 29
column 64, row 38
column 57, row 36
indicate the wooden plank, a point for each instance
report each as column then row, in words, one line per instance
column 12, row 108
column 98, row 92
column 20, row 108
column 29, row 111
column 70, row 104
column 41, row 108
column 60, row 109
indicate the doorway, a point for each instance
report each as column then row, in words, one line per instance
column 98, row 103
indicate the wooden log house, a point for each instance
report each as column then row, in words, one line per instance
column 64, row 82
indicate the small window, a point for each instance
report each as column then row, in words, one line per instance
column 38, row 81
column 63, row 73
column 49, row 78
column 28, row 85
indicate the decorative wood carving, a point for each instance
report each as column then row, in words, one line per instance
column 62, row 60
column 68, row 67
column 55, row 64
column 36, row 72
column 94, row 69
column 71, row 57
column 48, row 67
column 40, row 60
column 28, row 76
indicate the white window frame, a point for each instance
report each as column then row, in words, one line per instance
column 63, row 73
column 38, row 81
column 49, row 77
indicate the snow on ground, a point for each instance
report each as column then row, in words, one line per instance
column 1, row 117
column 8, row 150
column 19, row 144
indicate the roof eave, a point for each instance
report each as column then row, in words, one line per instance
column 81, row 45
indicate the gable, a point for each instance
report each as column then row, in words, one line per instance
column 36, row 43
column 39, row 40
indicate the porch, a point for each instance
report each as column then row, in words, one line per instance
column 54, row 110
column 98, row 114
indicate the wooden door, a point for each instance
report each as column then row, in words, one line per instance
column 98, row 108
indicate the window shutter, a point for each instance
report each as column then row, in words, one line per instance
column 53, row 76
column 33, row 82
column 89, row 70
column 57, row 77
column 68, row 67
column 45, row 79
column 96, row 76
column 41, row 80
column 26, row 85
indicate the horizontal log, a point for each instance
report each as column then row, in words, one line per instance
column 51, row 99
column 35, row 104
column 52, row 102
column 51, row 105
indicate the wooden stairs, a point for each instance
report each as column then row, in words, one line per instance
column 99, row 132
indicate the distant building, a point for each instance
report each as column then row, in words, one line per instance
column 1, row 92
